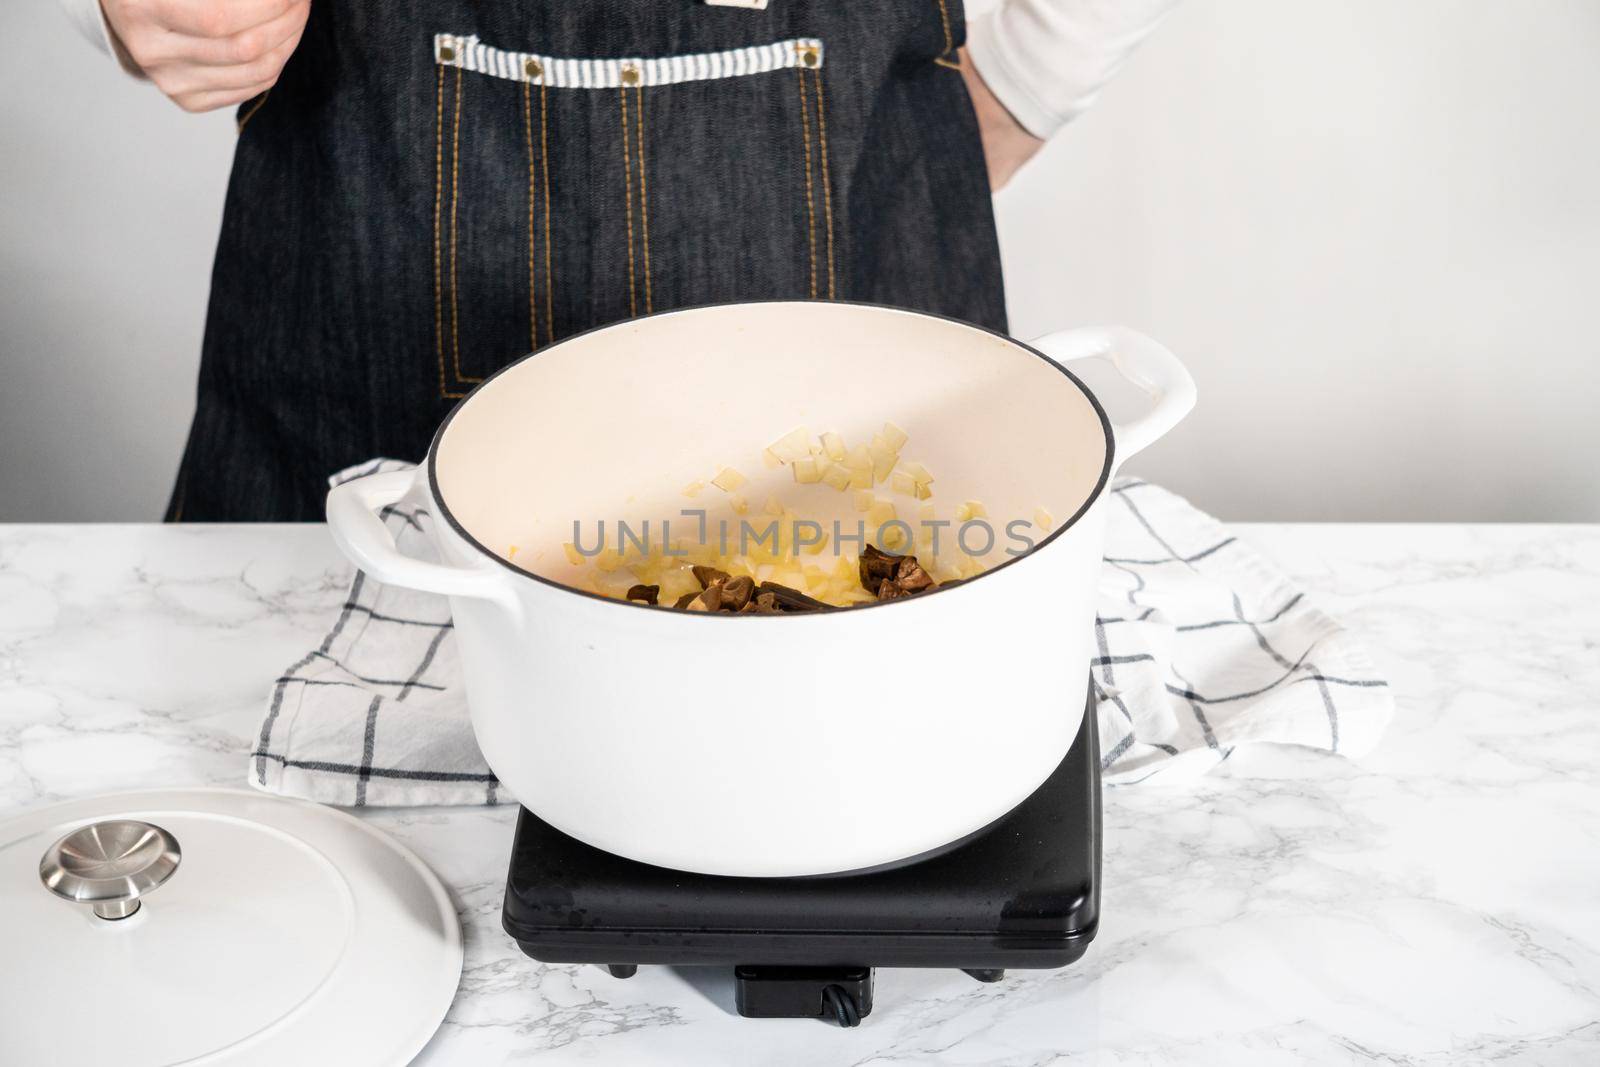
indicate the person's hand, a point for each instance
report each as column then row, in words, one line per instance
column 1006, row 145
column 207, row 54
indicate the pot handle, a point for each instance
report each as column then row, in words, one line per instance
column 1144, row 362
column 362, row 536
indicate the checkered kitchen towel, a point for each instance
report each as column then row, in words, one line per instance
column 1203, row 646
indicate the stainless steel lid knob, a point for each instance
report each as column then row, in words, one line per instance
column 110, row 865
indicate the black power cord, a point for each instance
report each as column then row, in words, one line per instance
column 842, row 1004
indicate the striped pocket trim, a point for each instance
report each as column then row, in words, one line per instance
column 468, row 53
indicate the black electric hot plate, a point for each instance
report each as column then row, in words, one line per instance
column 1024, row 892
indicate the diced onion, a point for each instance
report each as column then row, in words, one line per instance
column 882, row 464
column 789, row 576
column 792, row 446
column 828, row 460
column 675, row 583
column 728, row 479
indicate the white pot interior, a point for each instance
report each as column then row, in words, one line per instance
column 614, row 424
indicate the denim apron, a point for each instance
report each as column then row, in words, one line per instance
column 434, row 189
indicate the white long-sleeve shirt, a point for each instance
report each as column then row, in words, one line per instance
column 1045, row 60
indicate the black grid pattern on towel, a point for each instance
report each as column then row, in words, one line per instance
column 358, row 624
column 1300, row 669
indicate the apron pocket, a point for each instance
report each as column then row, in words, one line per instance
column 569, row 193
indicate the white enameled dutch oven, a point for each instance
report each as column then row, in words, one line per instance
column 771, row 745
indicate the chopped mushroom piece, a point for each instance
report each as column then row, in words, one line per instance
column 645, row 594
column 889, row 576
column 709, row 600
column 791, row 599
column 736, row 593
column 709, row 576
column 910, row 576
column 876, row 568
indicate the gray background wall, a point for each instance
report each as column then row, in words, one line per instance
column 1372, row 230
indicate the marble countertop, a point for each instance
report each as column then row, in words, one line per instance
column 1438, row 902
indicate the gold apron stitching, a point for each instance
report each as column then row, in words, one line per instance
column 455, row 197
column 183, row 488
column 438, row 206
column 944, row 20
column 811, row 211
column 627, row 177
column 544, row 163
column 948, row 64
column 533, row 285
column 827, row 182
column 644, row 196
column 248, row 115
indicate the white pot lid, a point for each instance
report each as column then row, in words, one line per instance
column 287, row 932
